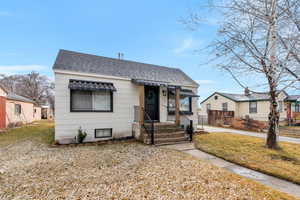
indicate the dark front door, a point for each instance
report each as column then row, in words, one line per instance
column 152, row 102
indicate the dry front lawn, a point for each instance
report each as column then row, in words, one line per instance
column 290, row 131
column 251, row 152
column 30, row 169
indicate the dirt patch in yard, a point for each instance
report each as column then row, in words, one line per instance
column 32, row 170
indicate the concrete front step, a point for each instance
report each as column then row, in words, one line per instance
column 167, row 135
column 166, row 140
column 169, row 130
column 159, row 126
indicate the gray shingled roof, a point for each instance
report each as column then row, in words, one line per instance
column 16, row 97
column 80, row 62
column 293, row 98
column 242, row 97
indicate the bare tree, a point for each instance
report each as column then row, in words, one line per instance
column 33, row 85
column 254, row 45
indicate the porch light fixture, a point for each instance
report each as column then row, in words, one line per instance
column 164, row 91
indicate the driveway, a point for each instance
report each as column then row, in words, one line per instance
column 249, row 133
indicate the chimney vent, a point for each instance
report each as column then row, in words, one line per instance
column 247, row 91
column 120, row 56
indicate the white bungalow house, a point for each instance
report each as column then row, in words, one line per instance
column 106, row 97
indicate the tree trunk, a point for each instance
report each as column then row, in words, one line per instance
column 273, row 122
column 271, row 75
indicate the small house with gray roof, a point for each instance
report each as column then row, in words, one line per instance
column 112, row 98
column 16, row 110
column 254, row 105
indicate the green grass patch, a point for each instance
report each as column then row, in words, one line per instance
column 41, row 131
column 251, row 152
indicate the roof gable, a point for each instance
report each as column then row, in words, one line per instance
column 87, row 63
column 218, row 93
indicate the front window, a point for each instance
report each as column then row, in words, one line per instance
column 208, row 107
column 91, row 101
column 296, row 107
column 18, row 109
column 253, row 107
column 280, row 106
column 225, row 106
column 185, row 103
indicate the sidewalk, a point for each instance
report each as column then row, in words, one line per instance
column 273, row 182
column 249, row 133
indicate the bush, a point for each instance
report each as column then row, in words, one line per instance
column 81, row 135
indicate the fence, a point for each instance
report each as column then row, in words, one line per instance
column 219, row 117
column 202, row 120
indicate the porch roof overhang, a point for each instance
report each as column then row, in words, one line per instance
column 91, row 85
column 186, row 93
column 150, row 83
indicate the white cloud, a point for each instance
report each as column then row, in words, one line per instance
column 16, row 69
column 186, row 45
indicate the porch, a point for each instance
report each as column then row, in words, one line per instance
column 164, row 114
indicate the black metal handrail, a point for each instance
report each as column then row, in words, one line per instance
column 151, row 131
column 190, row 129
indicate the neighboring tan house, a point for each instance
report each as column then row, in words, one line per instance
column 106, row 96
column 16, row 109
column 255, row 105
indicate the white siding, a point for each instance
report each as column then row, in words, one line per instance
column 120, row 120
column 263, row 109
column 241, row 109
column 26, row 115
column 216, row 104
column 163, row 104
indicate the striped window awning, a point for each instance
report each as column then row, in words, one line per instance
column 150, row 83
column 185, row 93
column 91, row 85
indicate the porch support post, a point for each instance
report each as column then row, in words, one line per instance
column 177, row 106
column 142, row 103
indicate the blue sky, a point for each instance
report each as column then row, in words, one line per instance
column 33, row 31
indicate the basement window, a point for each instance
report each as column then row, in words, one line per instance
column 103, row 133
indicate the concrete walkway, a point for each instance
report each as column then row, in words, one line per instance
column 276, row 183
column 249, row 133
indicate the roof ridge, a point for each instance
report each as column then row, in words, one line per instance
column 116, row 59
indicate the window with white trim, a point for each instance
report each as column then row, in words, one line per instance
column 225, row 106
column 208, row 107
column 253, row 107
column 185, row 104
column 91, row 101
